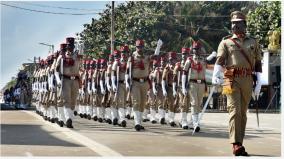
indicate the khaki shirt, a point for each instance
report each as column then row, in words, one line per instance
column 229, row 54
column 70, row 70
column 122, row 69
column 168, row 73
column 137, row 59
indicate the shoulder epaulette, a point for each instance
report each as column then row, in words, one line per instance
column 227, row 37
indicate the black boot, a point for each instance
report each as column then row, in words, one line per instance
column 89, row 117
column 123, row 123
column 60, row 123
column 95, row 118
column 52, row 120
column 81, row 115
column 108, row 121
column 153, row 121
column 85, row 115
column 127, row 116
column 100, row 120
column 197, row 129
column 69, row 123
column 173, row 124
column 75, row 113
column 137, row 127
column 163, row 121
column 114, row 122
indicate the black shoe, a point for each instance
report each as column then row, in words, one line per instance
column 108, row 121
column 163, row 121
column 185, row 127
column 132, row 118
column 145, row 120
column 153, row 121
column 75, row 113
column 137, row 127
column 123, row 123
column 69, row 123
column 52, row 120
column 114, row 122
column 142, row 127
column 173, row 124
column 100, row 120
column 197, row 129
column 95, row 118
column 48, row 119
column 85, row 116
column 89, row 117
column 81, row 115
column 61, row 123
column 127, row 116
column 45, row 117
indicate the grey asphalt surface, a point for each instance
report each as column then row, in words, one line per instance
column 24, row 133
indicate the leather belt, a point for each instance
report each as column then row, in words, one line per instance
column 242, row 72
column 143, row 79
column 71, row 77
column 197, row 81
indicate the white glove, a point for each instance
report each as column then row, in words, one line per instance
column 58, row 81
column 103, row 91
column 217, row 78
column 174, row 89
column 113, row 83
column 89, row 88
column 93, row 87
column 126, row 82
column 164, row 88
column 51, row 85
column 155, row 92
column 183, row 82
column 108, row 84
column 159, row 44
column 211, row 56
column 258, row 85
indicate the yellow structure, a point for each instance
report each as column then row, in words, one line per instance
column 274, row 41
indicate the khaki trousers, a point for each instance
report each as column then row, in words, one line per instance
column 69, row 93
column 121, row 96
column 184, row 102
column 196, row 93
column 237, row 105
column 139, row 95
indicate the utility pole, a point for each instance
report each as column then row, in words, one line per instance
column 112, row 26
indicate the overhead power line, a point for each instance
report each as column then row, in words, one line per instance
column 48, row 12
column 48, row 6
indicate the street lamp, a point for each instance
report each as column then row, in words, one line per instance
column 50, row 45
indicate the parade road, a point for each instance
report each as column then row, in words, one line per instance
column 25, row 133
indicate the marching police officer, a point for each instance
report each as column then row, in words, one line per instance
column 241, row 56
column 68, row 67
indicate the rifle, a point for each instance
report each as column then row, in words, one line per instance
column 117, row 83
column 128, row 98
column 255, row 100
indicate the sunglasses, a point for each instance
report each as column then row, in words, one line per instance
column 140, row 47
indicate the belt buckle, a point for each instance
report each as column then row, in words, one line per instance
column 72, row 77
column 198, row 81
column 141, row 80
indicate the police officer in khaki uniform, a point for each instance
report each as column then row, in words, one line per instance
column 118, row 82
column 241, row 56
column 68, row 65
column 196, row 68
column 183, row 96
column 138, row 69
column 169, row 87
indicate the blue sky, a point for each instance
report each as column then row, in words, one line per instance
column 21, row 30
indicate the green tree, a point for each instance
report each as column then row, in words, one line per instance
column 266, row 17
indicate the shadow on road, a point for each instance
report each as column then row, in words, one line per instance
column 30, row 135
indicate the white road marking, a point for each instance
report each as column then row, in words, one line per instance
column 91, row 144
column 28, row 154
